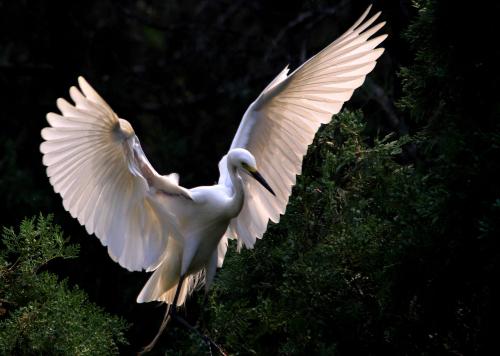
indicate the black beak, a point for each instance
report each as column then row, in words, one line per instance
column 262, row 181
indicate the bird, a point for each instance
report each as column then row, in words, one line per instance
column 148, row 221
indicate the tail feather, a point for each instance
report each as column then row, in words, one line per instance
column 156, row 286
column 162, row 284
column 166, row 275
column 191, row 283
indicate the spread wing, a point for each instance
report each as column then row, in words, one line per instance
column 278, row 127
column 95, row 162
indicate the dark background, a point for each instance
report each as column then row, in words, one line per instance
column 183, row 73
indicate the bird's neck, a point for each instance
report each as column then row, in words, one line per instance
column 238, row 196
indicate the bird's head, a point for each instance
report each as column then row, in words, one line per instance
column 245, row 162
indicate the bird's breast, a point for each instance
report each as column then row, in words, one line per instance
column 207, row 242
column 202, row 221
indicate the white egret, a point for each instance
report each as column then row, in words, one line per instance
column 148, row 221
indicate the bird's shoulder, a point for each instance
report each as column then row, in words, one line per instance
column 213, row 194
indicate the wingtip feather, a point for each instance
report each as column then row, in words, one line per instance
column 86, row 88
column 361, row 18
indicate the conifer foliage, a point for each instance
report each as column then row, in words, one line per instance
column 40, row 314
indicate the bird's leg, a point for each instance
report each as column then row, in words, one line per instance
column 176, row 296
column 164, row 323
column 170, row 312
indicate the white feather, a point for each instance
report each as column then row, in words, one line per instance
column 95, row 162
column 280, row 125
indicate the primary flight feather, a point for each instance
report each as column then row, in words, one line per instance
column 148, row 221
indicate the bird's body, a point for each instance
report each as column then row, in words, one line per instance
column 148, row 221
column 202, row 221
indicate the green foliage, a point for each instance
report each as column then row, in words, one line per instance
column 40, row 314
column 322, row 278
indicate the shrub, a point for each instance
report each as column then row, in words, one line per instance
column 39, row 314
